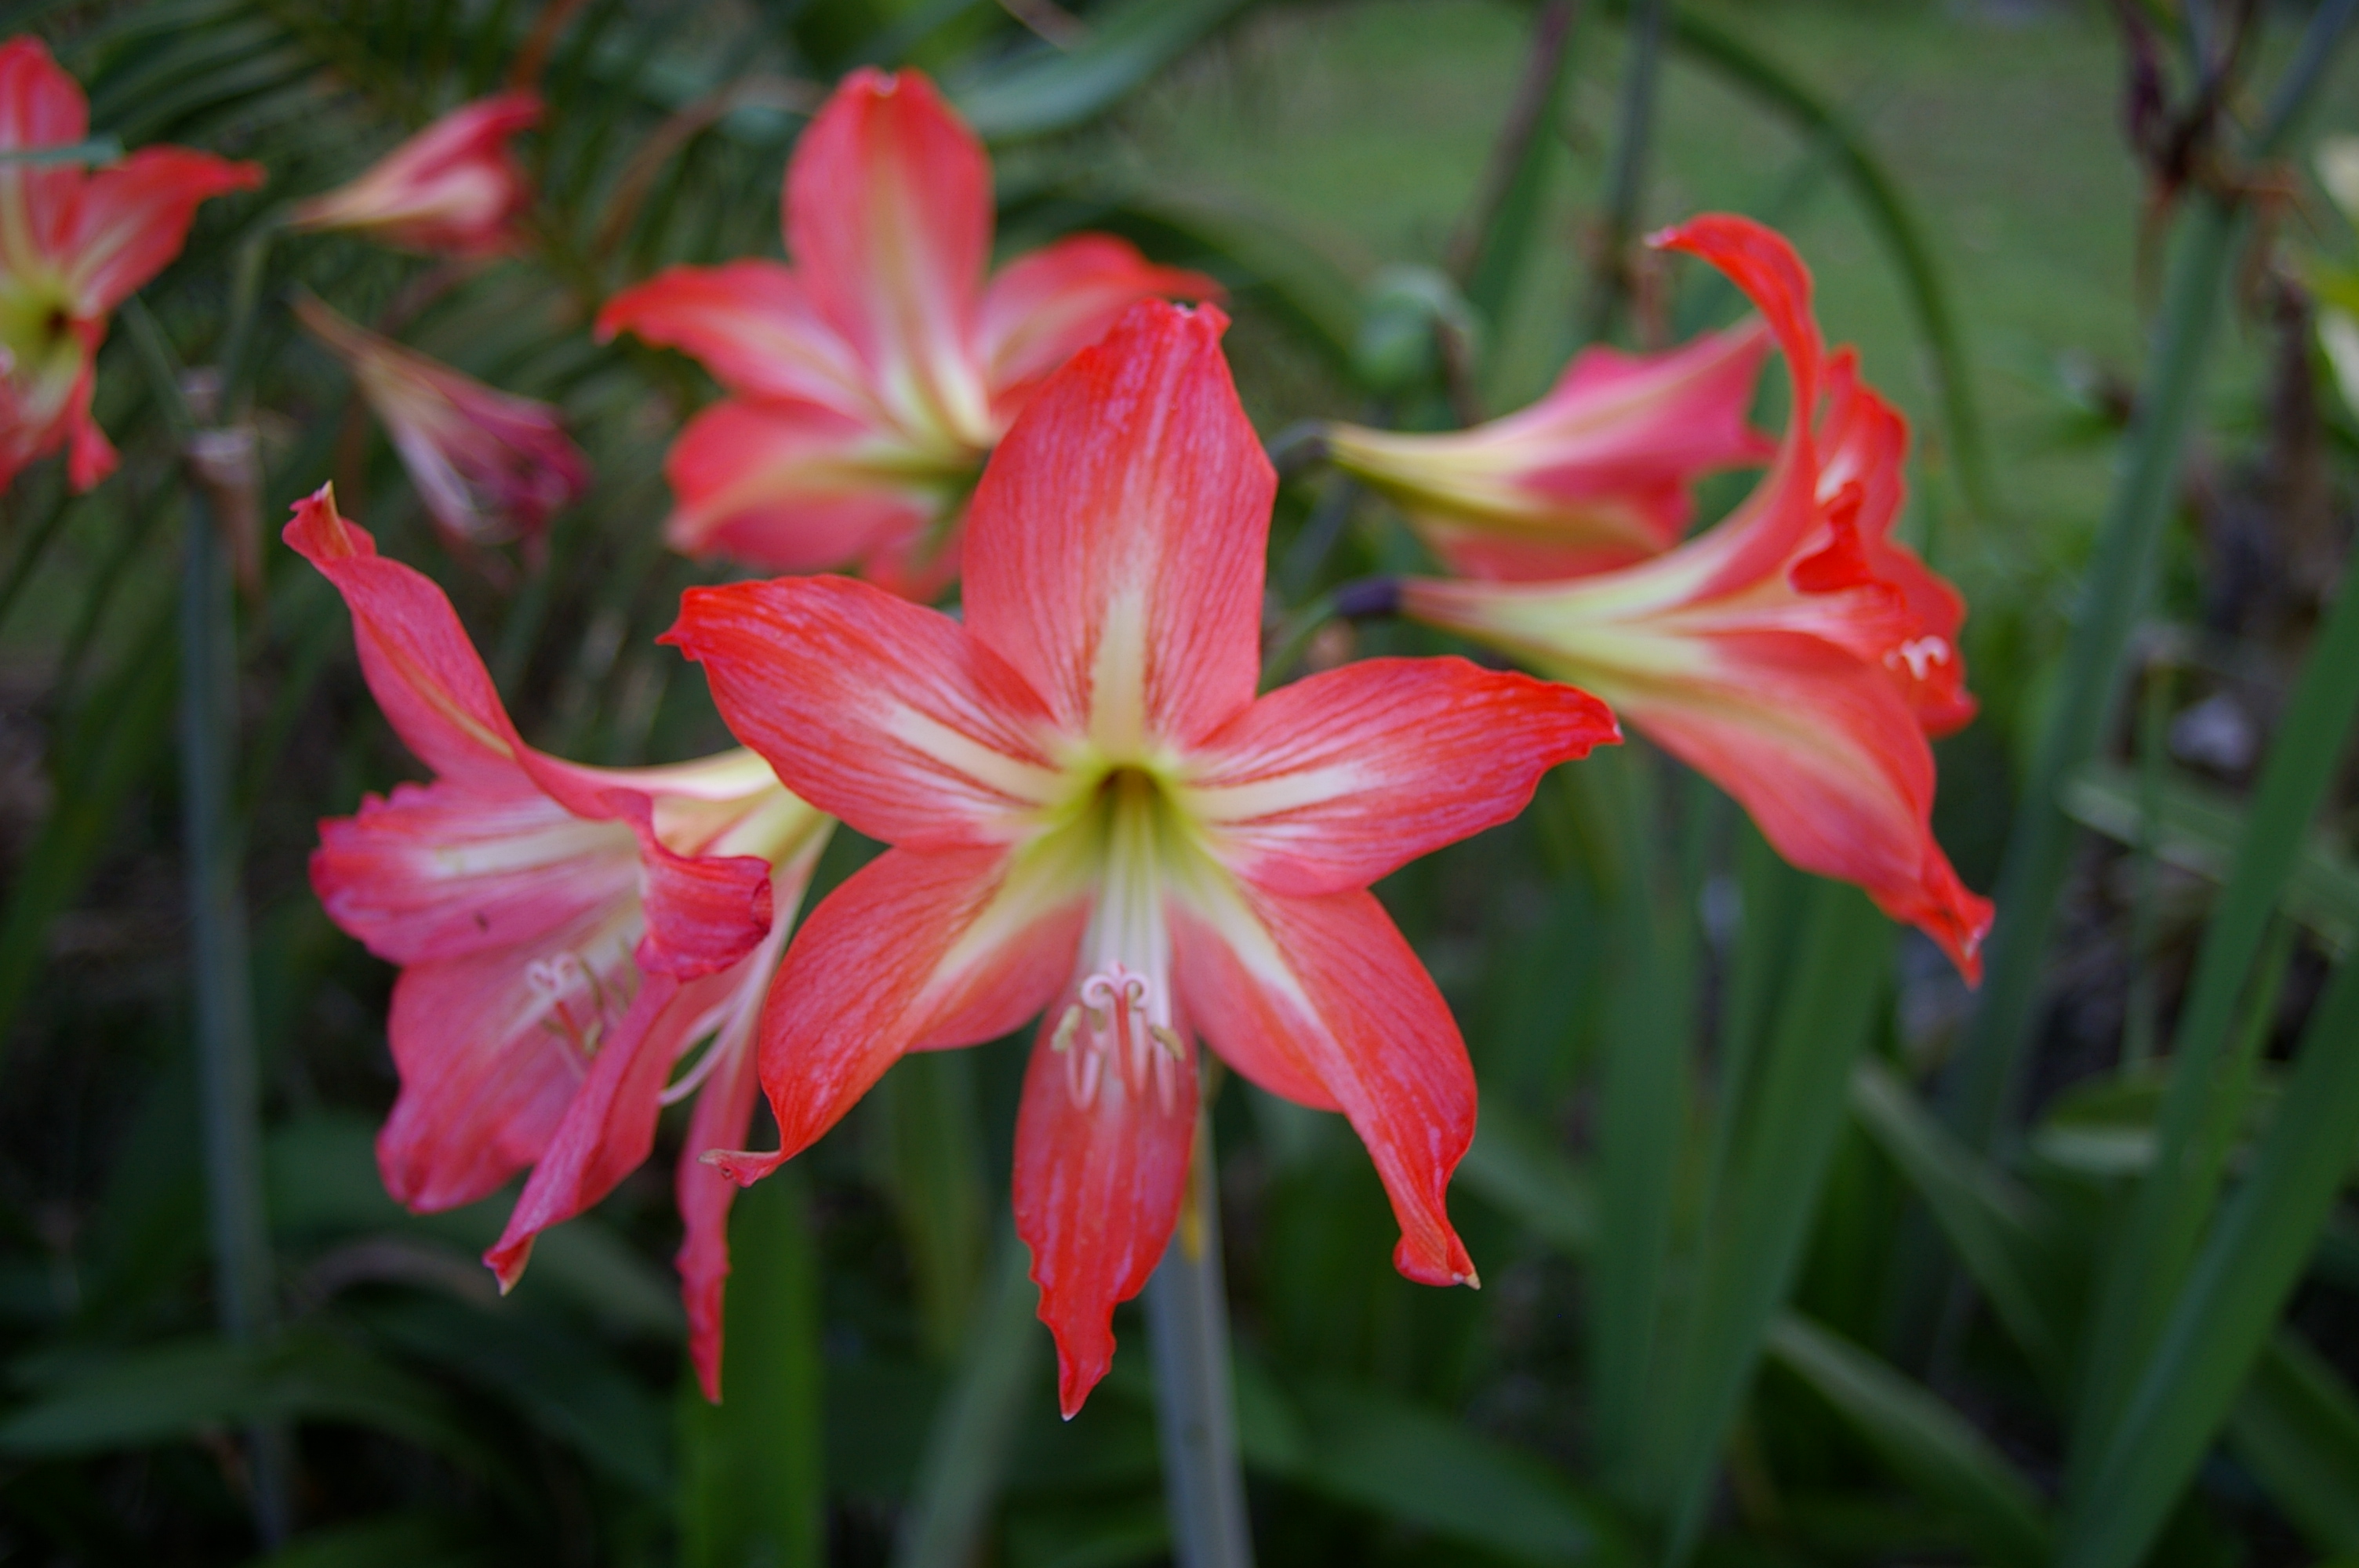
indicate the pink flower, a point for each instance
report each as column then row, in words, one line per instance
column 1091, row 812
column 567, row 937
column 1599, row 473
column 452, row 190
column 869, row 379
column 74, row 246
column 492, row 467
column 1795, row 654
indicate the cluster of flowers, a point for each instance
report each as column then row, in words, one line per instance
column 1092, row 818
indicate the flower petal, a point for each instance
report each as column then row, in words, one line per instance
column 130, row 219
column 1114, row 544
column 1338, row 779
column 753, row 326
column 788, row 487
column 723, row 1119
column 1097, row 1189
column 453, row 189
column 40, row 105
column 888, row 217
column 1303, row 992
column 1048, row 305
column 886, row 714
column 913, row 951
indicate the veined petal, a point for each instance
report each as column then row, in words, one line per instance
column 788, row 487
column 886, row 714
column 1114, row 544
column 888, row 219
column 753, row 326
column 1046, row 306
column 443, row 869
column 1097, row 1189
column 1324, row 992
column 491, row 1047
column 130, row 219
column 915, row 950
column 1338, row 779
column 452, row 189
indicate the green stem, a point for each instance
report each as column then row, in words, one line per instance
column 1626, row 184
column 1188, row 1333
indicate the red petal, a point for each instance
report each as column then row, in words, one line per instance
column 1097, row 1191
column 1761, row 262
column 1114, row 546
column 915, row 950
column 753, row 326
column 888, row 217
column 723, row 1115
column 40, row 105
column 1322, row 991
column 883, row 713
column 1338, row 779
column 131, row 220
column 1048, row 305
column 798, row 488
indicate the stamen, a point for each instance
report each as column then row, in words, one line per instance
column 1919, row 654
column 1113, row 1016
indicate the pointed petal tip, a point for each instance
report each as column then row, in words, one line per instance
column 743, row 1166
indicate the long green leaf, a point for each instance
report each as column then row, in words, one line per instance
column 1513, row 1166
column 1941, row 1458
column 394, row 1540
column 2295, row 1427
column 1748, row 1259
column 1047, row 89
column 2217, row 1326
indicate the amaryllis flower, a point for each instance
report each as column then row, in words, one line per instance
column 1598, row 473
column 568, row 937
column 1091, row 812
column 1795, row 654
column 868, row 380
column 492, row 467
column 452, row 190
column 75, row 244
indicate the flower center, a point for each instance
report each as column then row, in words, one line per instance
column 576, row 1005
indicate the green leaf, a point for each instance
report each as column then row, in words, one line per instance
column 2295, row 1427
column 1514, row 1167
column 2198, row 829
column 2218, row 1323
column 393, row 1541
column 1047, row 89
column 752, row 1468
column 931, row 1167
column 1928, row 1445
column 96, row 150
column 1793, row 1118
column 2000, row 1232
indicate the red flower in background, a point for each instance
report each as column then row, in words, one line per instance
column 1091, row 812
column 1795, row 654
column 75, row 244
column 566, row 934
column 491, row 467
column 868, row 380
column 452, row 190
column 1599, row 473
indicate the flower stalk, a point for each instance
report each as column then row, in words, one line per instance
column 1195, row 1415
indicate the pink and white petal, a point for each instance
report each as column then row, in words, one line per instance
column 1097, row 1188
column 942, row 949
column 1114, row 544
column 1822, row 750
column 442, row 871
column 1341, row 778
column 130, row 221
column 490, row 1050
column 753, row 326
column 1325, row 989
column 1048, row 305
column 791, row 487
column 876, row 710
column 704, row 912
column 888, row 215
column 418, row 661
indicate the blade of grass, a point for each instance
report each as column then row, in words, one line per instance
column 1793, row 1118
column 1050, row 89
column 1513, row 1167
column 2295, row 1428
column 1487, row 256
column 2219, row 1323
column 933, row 1172
column 1625, row 180
column 1928, row 1445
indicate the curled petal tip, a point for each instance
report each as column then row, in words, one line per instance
column 743, row 1166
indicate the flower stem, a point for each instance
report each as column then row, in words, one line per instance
column 1188, row 1332
column 1626, row 183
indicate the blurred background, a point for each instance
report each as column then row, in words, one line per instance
column 1991, row 216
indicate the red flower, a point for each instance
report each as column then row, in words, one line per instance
column 1091, row 812
column 868, row 380
column 1598, row 473
column 1796, row 653
column 567, row 936
column 452, row 190
column 492, row 467
column 74, row 246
